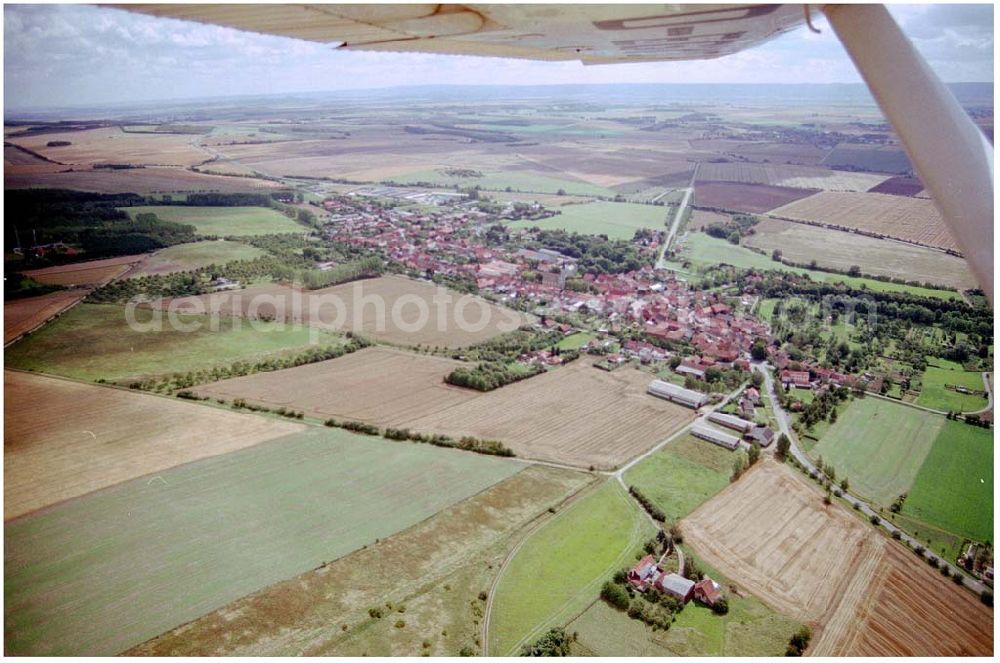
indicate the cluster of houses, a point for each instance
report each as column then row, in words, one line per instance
column 647, row 575
column 448, row 241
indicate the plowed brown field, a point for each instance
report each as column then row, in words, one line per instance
column 64, row 439
column 84, row 273
column 863, row 595
column 23, row 315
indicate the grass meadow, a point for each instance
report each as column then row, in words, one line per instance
column 99, row 574
column 223, row 221
column 94, row 341
column 682, row 475
column 183, row 257
column 879, row 446
column 560, row 568
column 936, row 396
column 954, row 488
column 616, row 220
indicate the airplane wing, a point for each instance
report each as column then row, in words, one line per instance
column 593, row 34
column 947, row 150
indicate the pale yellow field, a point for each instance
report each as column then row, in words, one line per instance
column 63, row 439
column 909, row 219
column 112, row 145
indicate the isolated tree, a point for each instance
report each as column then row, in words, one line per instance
column 757, row 379
column 758, row 350
column 784, row 445
column 844, row 484
column 854, row 271
column 776, row 255
column 754, row 454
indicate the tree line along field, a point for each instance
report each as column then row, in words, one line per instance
column 95, row 341
column 195, row 255
column 434, row 571
column 559, row 570
column 64, row 439
column 137, row 560
column 223, row 221
column 383, row 308
column 914, row 220
column 707, row 250
column 573, row 414
column 802, row 243
column 616, row 220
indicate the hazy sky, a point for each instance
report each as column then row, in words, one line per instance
column 58, row 55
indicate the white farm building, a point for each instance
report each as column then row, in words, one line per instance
column 729, row 421
column 676, row 394
column 715, row 436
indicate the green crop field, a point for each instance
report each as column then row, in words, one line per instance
column 99, row 574
column 616, row 220
column 94, row 341
column 750, row 628
column 936, row 396
column 182, row 257
column 702, row 248
column 954, row 488
column 879, row 446
column 682, row 475
column 224, row 221
column 500, row 181
column 560, row 568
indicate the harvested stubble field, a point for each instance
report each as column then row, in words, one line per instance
column 183, row 257
column 841, row 250
column 575, row 414
column 387, row 308
column 435, row 569
column 910, row 609
column 913, row 220
column 751, row 198
column 63, row 439
column 92, row 272
column 802, row 177
column 136, row 180
column 112, row 145
column 99, row 575
column 376, row 385
column 772, row 535
column 23, row 315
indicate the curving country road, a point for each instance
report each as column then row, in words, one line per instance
column 782, row 418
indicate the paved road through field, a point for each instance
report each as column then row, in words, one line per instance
column 678, row 215
column 782, row 417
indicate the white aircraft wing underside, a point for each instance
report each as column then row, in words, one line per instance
column 593, row 34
